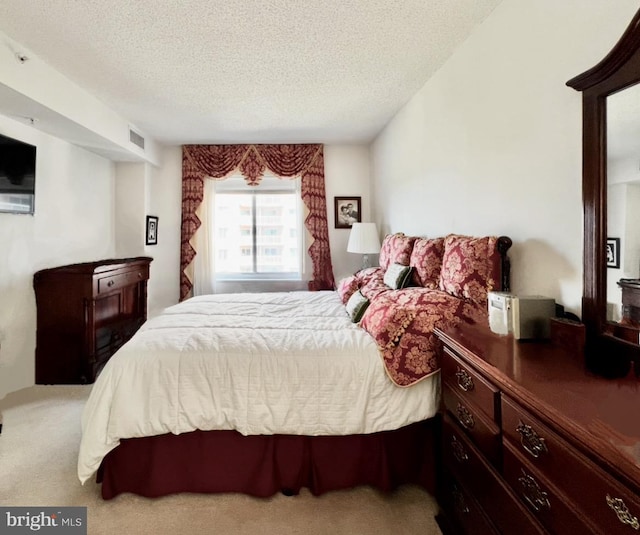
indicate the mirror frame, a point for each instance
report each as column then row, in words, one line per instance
column 605, row 354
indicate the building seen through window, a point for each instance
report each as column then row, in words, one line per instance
column 257, row 230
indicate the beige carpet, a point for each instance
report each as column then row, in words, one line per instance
column 38, row 453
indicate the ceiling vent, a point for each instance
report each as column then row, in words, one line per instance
column 136, row 139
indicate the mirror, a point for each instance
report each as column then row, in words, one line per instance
column 623, row 209
column 610, row 128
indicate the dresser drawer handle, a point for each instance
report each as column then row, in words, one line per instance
column 533, row 444
column 458, row 450
column 459, row 503
column 139, row 275
column 622, row 512
column 465, row 381
column 532, row 493
column 465, row 417
column 110, row 283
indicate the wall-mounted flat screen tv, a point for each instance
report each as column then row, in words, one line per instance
column 17, row 176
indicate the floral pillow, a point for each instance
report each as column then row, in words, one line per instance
column 426, row 261
column 368, row 274
column 372, row 287
column 396, row 249
column 470, row 267
column 347, row 286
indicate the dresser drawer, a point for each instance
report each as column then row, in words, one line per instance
column 121, row 279
column 462, row 509
column 482, row 481
column 470, row 385
column 484, row 433
column 544, row 500
column 606, row 502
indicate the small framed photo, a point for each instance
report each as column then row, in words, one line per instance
column 348, row 210
column 613, row 252
column 152, row 230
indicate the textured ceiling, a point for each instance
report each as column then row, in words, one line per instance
column 228, row 71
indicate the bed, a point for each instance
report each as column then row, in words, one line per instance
column 272, row 392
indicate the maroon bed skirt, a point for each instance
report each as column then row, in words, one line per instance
column 226, row 461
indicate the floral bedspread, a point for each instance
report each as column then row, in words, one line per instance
column 454, row 275
column 402, row 323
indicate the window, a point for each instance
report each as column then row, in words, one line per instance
column 263, row 238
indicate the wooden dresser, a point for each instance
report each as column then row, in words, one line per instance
column 533, row 443
column 85, row 312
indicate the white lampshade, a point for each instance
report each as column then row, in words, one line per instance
column 364, row 240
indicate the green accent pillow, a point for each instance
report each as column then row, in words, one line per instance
column 397, row 276
column 356, row 306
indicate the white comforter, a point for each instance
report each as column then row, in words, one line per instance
column 270, row 363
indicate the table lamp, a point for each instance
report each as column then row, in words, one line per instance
column 364, row 240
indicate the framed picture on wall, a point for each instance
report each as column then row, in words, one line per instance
column 613, row 252
column 152, row 230
column 348, row 210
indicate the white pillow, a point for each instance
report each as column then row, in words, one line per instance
column 397, row 276
column 356, row 306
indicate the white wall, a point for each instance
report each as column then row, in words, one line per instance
column 73, row 222
column 131, row 192
column 144, row 190
column 165, row 201
column 617, row 195
column 347, row 174
column 631, row 237
column 492, row 143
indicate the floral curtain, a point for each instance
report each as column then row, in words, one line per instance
column 217, row 162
